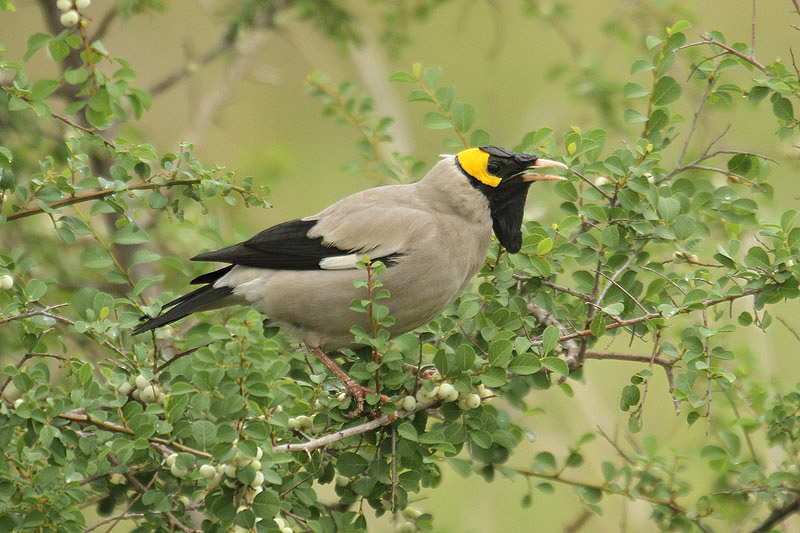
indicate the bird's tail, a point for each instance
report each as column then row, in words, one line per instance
column 185, row 305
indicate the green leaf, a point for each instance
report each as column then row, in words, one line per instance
column 95, row 257
column 407, row 431
column 634, row 90
column 550, row 337
column 129, row 235
column 351, row 464
column 58, row 49
column 35, row 42
column 652, row 41
column 525, row 364
column 34, row 290
column 668, row 209
column 554, row 364
column 633, row 117
column 403, row 77
column 204, row 432
column 494, row 377
column 641, row 65
column 41, row 89
column 76, row 76
column 430, row 75
column 666, row 91
column 782, row 108
column 464, row 357
column 463, row 115
column 436, row 121
column 544, row 246
column 630, row 397
column 500, row 352
column 544, row 462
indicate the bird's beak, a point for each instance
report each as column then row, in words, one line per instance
column 544, row 163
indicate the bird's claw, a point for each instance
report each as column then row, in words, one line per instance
column 359, row 392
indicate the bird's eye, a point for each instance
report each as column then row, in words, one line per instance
column 493, row 167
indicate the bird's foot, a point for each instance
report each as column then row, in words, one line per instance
column 359, row 393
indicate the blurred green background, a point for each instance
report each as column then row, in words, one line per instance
column 523, row 65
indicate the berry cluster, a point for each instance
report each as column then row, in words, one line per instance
column 70, row 11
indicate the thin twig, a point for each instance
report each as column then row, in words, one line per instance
column 326, row 440
column 115, row 519
column 656, row 349
column 710, row 41
column 590, row 182
column 81, row 417
column 628, row 294
column 782, row 321
column 25, row 358
column 777, row 516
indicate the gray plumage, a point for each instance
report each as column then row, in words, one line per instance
column 433, row 234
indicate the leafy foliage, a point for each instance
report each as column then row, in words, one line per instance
column 234, row 422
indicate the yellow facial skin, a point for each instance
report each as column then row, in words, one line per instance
column 474, row 162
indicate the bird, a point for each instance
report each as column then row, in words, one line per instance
column 433, row 236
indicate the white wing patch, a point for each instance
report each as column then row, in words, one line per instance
column 340, row 262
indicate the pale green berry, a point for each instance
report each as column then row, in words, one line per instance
column 425, row 396
column 287, row 530
column 230, row 483
column 412, row 513
column 208, row 471
column 64, row 5
column 69, row 18
column 305, row 421
column 473, row 401
column 82, row 4
column 141, row 382
column 279, row 522
column 240, row 460
column 18, row 402
column 136, row 394
column 342, row 481
column 406, row 527
column 259, row 453
column 230, row 470
column 177, row 471
column 6, row 282
column 447, row 392
column 125, row 388
column 294, row 423
column 256, row 464
column 483, row 392
column 116, row 479
column 170, row 460
column 149, row 394
column 601, row 180
column 258, row 480
column 408, row 403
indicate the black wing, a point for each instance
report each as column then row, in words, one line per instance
column 284, row 247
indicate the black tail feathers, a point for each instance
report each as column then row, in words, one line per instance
column 187, row 304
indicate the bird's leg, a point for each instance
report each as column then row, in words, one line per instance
column 359, row 392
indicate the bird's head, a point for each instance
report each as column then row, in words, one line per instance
column 504, row 178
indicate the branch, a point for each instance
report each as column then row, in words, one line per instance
column 320, row 442
column 81, row 417
column 710, row 41
column 25, row 358
column 546, row 317
column 29, row 314
column 617, row 491
column 99, row 195
column 777, row 516
column 115, row 518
